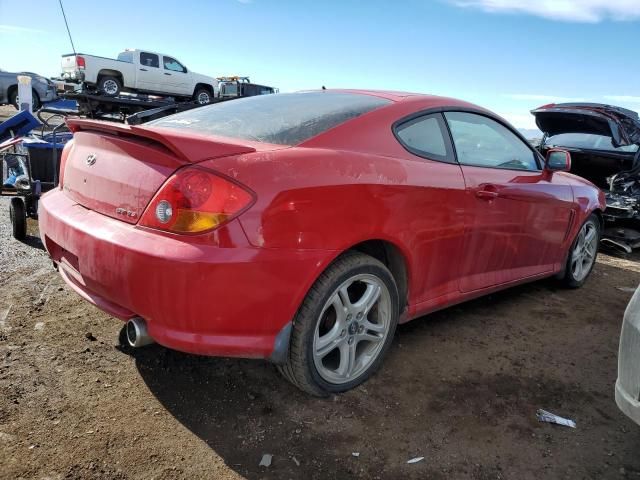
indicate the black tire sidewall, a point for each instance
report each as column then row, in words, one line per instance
column 35, row 100
column 18, row 217
column 13, row 96
column 372, row 269
column 569, row 279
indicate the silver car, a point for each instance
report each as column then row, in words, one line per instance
column 628, row 384
column 43, row 89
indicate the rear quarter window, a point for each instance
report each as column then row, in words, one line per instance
column 282, row 119
column 425, row 136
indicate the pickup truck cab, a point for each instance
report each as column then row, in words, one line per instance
column 139, row 71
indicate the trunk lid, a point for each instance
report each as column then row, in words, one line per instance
column 620, row 124
column 116, row 169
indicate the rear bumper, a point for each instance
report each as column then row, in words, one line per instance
column 211, row 295
column 73, row 76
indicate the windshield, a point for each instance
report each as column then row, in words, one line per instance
column 587, row 141
column 283, row 118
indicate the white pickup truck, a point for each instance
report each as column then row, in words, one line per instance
column 139, row 71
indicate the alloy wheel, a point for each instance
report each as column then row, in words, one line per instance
column 352, row 329
column 584, row 252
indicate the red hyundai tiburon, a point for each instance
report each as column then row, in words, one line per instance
column 302, row 227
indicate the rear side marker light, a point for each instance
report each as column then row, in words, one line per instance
column 195, row 200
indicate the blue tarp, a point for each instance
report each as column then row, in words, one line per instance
column 18, row 125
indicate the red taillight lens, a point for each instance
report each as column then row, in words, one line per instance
column 195, row 200
column 80, row 62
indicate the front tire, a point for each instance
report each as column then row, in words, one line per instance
column 202, row 96
column 344, row 327
column 583, row 253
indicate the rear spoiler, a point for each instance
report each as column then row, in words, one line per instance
column 187, row 146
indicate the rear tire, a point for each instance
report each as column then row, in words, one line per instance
column 18, row 215
column 583, row 253
column 109, row 86
column 344, row 327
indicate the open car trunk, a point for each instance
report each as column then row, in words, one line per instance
column 604, row 143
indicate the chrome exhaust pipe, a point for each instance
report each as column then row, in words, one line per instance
column 137, row 335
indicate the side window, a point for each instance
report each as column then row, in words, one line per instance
column 426, row 136
column 126, row 57
column 149, row 60
column 172, row 64
column 484, row 142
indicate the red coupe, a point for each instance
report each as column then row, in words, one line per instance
column 301, row 228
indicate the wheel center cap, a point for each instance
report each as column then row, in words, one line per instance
column 353, row 328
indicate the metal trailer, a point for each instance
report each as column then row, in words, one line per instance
column 140, row 108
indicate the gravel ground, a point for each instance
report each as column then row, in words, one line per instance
column 459, row 388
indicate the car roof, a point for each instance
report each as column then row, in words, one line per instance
column 412, row 97
column 409, row 101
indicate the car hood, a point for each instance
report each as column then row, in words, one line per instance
column 622, row 125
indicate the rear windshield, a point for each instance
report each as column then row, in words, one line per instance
column 587, row 141
column 282, row 118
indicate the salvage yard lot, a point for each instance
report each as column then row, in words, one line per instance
column 460, row 387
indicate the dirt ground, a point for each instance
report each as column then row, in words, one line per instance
column 460, row 388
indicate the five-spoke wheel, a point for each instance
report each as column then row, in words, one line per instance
column 583, row 253
column 352, row 328
column 344, row 327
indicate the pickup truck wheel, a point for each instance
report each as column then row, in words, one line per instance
column 202, row 96
column 109, row 86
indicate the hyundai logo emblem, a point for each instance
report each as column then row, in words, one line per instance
column 91, row 159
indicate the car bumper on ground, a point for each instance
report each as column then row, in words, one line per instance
column 628, row 384
column 215, row 296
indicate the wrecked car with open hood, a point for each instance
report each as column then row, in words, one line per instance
column 604, row 142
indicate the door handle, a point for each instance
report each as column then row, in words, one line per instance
column 143, row 70
column 487, row 192
column 167, row 73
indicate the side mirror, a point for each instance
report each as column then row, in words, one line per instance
column 558, row 160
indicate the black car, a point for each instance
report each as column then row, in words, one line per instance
column 604, row 142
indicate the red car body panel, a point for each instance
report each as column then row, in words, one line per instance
column 230, row 292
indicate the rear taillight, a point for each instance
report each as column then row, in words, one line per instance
column 194, row 200
column 63, row 161
column 80, row 63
